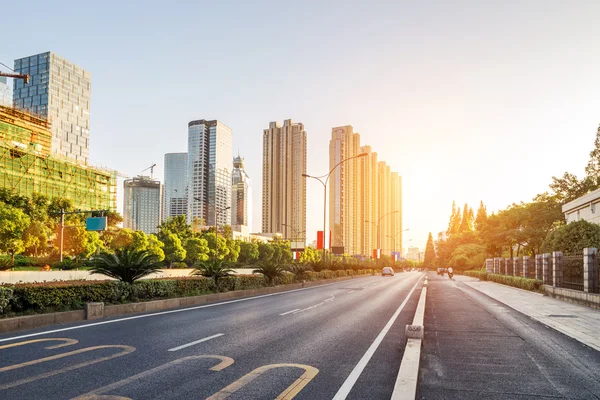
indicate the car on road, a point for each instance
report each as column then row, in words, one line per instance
column 387, row 271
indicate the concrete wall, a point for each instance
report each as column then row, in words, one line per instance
column 586, row 207
column 573, row 296
column 49, row 276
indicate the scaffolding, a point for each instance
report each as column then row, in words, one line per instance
column 27, row 167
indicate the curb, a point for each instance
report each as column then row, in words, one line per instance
column 406, row 382
column 95, row 311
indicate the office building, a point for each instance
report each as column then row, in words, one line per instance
column 58, row 91
column 241, row 195
column 209, row 172
column 284, row 187
column 28, row 167
column 344, row 186
column 5, row 93
column 175, row 185
column 141, row 205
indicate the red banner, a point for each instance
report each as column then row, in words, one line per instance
column 320, row 243
column 377, row 253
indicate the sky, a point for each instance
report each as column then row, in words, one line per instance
column 467, row 100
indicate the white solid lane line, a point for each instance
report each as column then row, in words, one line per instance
column 166, row 312
column 358, row 369
column 183, row 346
column 289, row 312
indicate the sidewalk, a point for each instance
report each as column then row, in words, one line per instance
column 578, row 322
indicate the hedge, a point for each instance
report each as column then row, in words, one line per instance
column 534, row 285
column 70, row 295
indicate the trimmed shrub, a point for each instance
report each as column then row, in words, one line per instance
column 6, row 295
column 285, row 279
column 533, row 285
column 5, row 263
column 351, row 272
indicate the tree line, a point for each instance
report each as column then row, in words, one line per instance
column 525, row 228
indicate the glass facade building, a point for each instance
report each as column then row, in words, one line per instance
column 209, row 172
column 59, row 91
column 175, row 187
column 141, row 205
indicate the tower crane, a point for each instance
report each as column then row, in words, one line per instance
column 151, row 168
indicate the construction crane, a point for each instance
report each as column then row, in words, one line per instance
column 16, row 75
column 151, row 168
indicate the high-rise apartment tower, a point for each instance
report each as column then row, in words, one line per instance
column 241, row 195
column 284, row 187
column 141, row 205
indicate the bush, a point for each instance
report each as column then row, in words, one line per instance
column 533, row 285
column 5, row 263
column 6, row 295
column 179, row 265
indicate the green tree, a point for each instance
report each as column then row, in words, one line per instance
column 174, row 251
column 481, row 216
column 468, row 256
column 573, row 238
column 196, row 249
column 220, row 252
column 429, row 256
column 227, row 232
column 155, row 247
column 213, row 268
column 234, row 250
column 13, row 223
column 176, row 225
column 248, row 253
column 455, row 220
column 593, row 167
column 121, row 239
column 310, row 255
column 35, row 238
column 265, row 252
column 466, row 223
column 126, row 265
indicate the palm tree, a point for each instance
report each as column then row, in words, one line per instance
column 126, row 265
column 213, row 268
column 270, row 270
column 299, row 270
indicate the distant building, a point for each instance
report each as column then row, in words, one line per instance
column 413, row 254
column 5, row 93
column 28, row 167
column 586, row 207
column 284, row 187
column 141, row 205
column 209, row 172
column 175, row 185
column 59, row 91
column 241, row 195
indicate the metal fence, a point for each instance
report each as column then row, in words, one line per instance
column 572, row 271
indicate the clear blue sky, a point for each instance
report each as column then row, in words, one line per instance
column 467, row 100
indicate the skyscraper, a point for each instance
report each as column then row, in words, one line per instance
column 241, row 195
column 5, row 95
column 175, row 187
column 59, row 91
column 141, row 205
column 209, row 172
column 284, row 187
column 344, row 189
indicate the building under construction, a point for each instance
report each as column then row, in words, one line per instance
column 26, row 166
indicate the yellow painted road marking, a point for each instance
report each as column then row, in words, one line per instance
column 68, row 342
column 126, row 350
column 225, row 362
column 287, row 394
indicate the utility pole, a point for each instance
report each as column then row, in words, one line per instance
column 62, row 232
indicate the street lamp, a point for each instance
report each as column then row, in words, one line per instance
column 294, row 232
column 393, row 237
column 324, row 183
column 378, row 223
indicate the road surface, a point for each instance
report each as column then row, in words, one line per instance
column 344, row 339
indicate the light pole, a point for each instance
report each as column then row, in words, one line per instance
column 395, row 236
column 324, row 183
column 378, row 223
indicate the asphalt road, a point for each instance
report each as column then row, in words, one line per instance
column 340, row 340
column 478, row 348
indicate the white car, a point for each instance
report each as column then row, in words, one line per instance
column 387, row 271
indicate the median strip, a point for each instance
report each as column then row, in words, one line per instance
column 183, row 346
column 406, row 381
